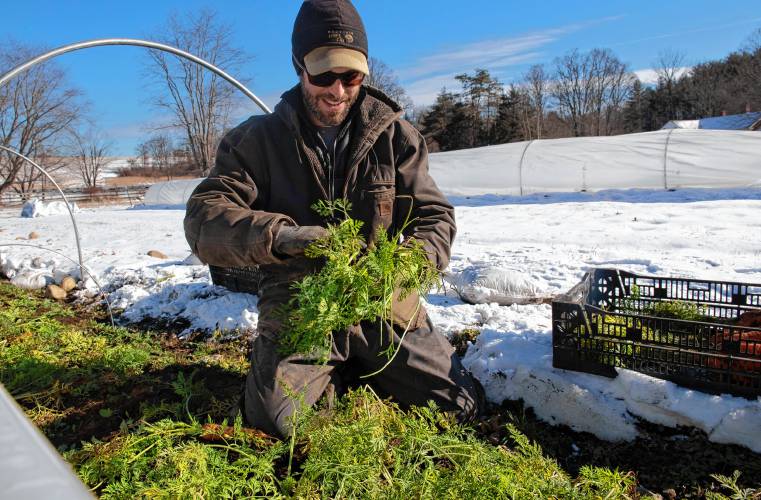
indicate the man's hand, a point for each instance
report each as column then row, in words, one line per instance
column 292, row 240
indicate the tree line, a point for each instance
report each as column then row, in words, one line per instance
column 587, row 94
column 47, row 119
column 728, row 86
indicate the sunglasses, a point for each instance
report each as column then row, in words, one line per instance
column 348, row 78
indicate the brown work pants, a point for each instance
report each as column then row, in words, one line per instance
column 426, row 368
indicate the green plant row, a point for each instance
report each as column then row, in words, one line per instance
column 364, row 448
column 177, row 445
column 54, row 359
column 629, row 316
column 673, row 309
column 357, row 283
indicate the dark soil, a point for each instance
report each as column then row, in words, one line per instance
column 676, row 463
column 124, row 401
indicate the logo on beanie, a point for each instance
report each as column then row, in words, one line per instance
column 346, row 37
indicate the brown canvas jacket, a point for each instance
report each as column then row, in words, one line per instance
column 266, row 174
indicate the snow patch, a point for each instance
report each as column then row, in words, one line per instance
column 38, row 208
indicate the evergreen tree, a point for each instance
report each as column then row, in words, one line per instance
column 481, row 95
column 508, row 124
column 635, row 109
column 445, row 125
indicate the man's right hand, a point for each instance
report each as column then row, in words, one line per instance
column 292, row 240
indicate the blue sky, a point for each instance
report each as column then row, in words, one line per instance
column 426, row 43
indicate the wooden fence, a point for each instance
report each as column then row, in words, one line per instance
column 132, row 195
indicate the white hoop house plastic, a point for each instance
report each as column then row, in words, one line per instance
column 666, row 159
column 170, row 193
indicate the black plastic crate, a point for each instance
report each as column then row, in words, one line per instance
column 236, row 279
column 607, row 321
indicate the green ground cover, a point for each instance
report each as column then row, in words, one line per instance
column 143, row 415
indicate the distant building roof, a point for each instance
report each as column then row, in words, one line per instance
column 744, row 121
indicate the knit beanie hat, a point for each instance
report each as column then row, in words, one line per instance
column 329, row 34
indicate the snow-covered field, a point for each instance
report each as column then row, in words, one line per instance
column 548, row 240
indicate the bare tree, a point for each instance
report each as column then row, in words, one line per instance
column 29, row 179
column 160, row 149
column 751, row 71
column 611, row 83
column 199, row 100
column 181, row 162
column 669, row 68
column 572, row 90
column 91, row 151
column 37, row 108
column 523, row 111
column 143, row 155
column 591, row 90
column 538, row 88
column 382, row 77
column 753, row 42
column 618, row 83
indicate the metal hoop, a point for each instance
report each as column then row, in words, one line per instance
column 66, row 201
column 137, row 43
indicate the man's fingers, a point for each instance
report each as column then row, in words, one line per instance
column 293, row 240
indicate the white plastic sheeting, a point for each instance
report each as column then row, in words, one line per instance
column 30, row 467
column 666, row 159
column 170, row 193
column 486, row 284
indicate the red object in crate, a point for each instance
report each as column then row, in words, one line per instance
column 748, row 344
column 610, row 321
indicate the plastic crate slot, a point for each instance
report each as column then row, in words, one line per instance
column 614, row 332
column 739, row 299
column 698, row 285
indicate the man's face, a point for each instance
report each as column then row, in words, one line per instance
column 328, row 106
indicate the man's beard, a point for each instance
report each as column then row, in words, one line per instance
column 326, row 119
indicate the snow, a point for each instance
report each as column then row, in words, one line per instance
column 551, row 239
column 114, row 165
column 38, row 208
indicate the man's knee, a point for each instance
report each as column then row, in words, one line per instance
column 278, row 388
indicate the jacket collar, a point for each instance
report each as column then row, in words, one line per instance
column 371, row 114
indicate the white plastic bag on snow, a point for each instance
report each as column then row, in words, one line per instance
column 487, row 284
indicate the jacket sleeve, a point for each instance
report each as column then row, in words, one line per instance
column 222, row 223
column 431, row 215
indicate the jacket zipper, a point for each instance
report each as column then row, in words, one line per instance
column 332, row 171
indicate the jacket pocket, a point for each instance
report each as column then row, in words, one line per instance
column 379, row 198
column 408, row 313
